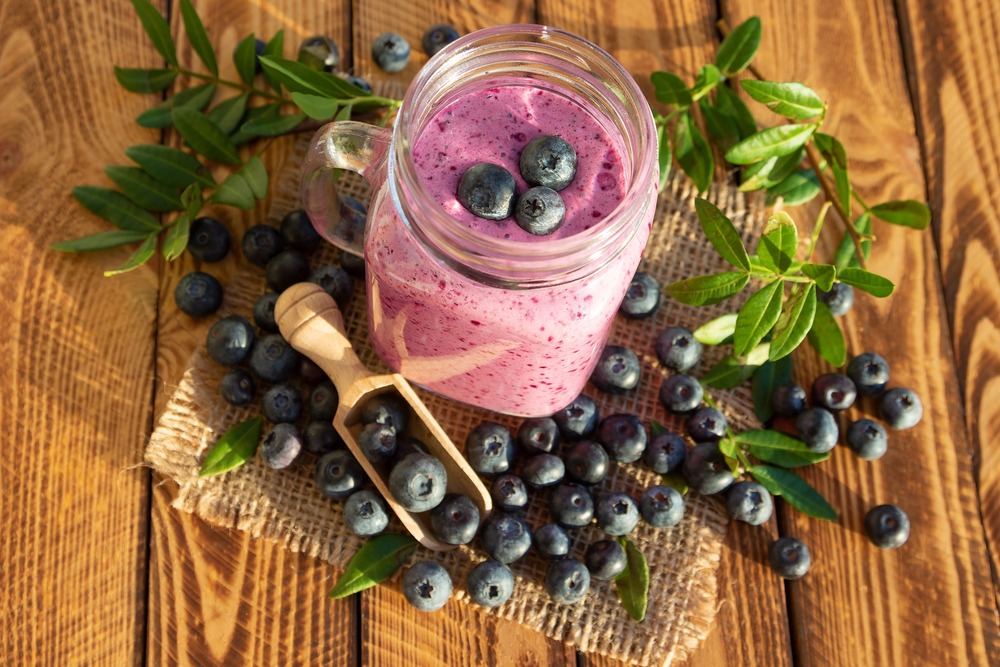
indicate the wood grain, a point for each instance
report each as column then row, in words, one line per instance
column 854, row 590
column 74, row 505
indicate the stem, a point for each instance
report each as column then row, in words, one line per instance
column 819, row 225
column 861, row 201
column 234, row 84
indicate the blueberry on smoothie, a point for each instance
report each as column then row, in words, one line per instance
column 540, row 211
column 488, row 191
column 549, row 161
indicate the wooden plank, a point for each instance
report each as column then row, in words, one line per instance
column 74, row 501
column 953, row 90
column 860, row 606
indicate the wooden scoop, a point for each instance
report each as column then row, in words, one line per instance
column 311, row 322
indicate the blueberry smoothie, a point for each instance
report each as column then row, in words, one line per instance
column 527, row 349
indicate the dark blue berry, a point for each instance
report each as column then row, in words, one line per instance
column 706, row 425
column 506, row 537
column 489, row 448
column 616, row 513
column 261, row 243
column 487, row 191
column 377, row 442
column 258, row 48
column 391, row 52
column 706, row 470
column 321, row 437
column 624, row 437
column 298, row 233
column 238, row 388
column 678, row 349
column 426, row 585
column 366, row 513
column 490, row 584
column 661, row 506
column 552, row 540
column 539, row 435
column 586, row 462
column 548, row 161
column 230, row 339
column 455, row 520
column 540, row 211
column 281, row 446
column 198, row 294
column 605, row 560
column 353, row 264
column 406, row 445
column 665, row 452
column 272, row 359
column 323, row 401
column 789, row 558
column 839, row 299
column 887, row 526
column 901, row 408
column 543, row 470
column 617, row 371
column 282, row 403
column 681, row 393
column 567, row 581
column 571, row 505
column 319, row 53
column 359, row 82
column 285, row 269
column 208, row 240
column 387, row 408
column 338, row 475
column 509, row 493
column 310, row 372
column 579, row 418
column 335, row 282
column 867, row 439
column 749, row 502
column 833, row 391
column 642, row 298
column 818, row 429
column 418, row 482
column 263, row 312
column 437, row 37
column 869, row 371
column 788, row 400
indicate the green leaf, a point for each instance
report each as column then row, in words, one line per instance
column 792, row 100
column 272, row 124
column 145, row 80
column 675, row 480
column 780, row 449
column 757, row 317
column 842, row 183
column 245, row 59
column 256, row 177
column 770, row 375
column 177, row 237
column 670, row 89
column 299, row 78
column 709, row 77
column 727, row 373
column 138, row 258
column 192, row 200
column 204, row 136
column 116, row 208
column 721, row 126
column 158, row 30
column 832, row 150
column 345, row 112
column 376, row 560
column 822, row 274
column 907, row 213
column 159, row 117
column 777, row 246
column 780, row 140
column 145, row 190
column 633, row 582
column 729, row 103
column 722, row 234
column 171, row 165
column 717, row 331
column 739, row 47
column 728, row 448
column 826, row 337
column 693, row 152
column 872, row 283
column 228, row 113
column 274, row 48
column 315, row 106
column 794, row 322
column 795, row 490
column 758, row 355
column 198, row 37
column 847, row 254
column 664, row 155
column 233, row 449
column 797, row 189
column 234, row 191
column 707, row 289
column 770, row 172
column 101, row 240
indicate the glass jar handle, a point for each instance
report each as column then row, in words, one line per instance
column 350, row 145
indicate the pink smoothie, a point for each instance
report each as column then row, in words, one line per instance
column 525, row 352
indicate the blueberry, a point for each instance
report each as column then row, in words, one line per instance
column 258, row 48
column 869, row 371
column 833, row 391
column 489, row 448
column 509, row 493
column 543, row 470
column 261, row 243
column 208, row 239
column 488, row 191
column 506, row 537
column 617, row 370
column 706, row 425
column 455, row 520
column 353, row 264
column 391, row 52
column 586, row 462
column 571, row 505
column 678, row 349
column 321, row 437
column 749, row 502
column 359, row 82
column 263, row 312
column 567, row 581
column 230, row 340
column 839, row 299
column 490, row 584
column 706, row 470
column 335, row 282
column 282, row 403
column 298, row 233
column 418, row 482
column 426, row 585
column 623, row 436
column 281, row 446
column 319, row 53
column 661, row 506
column 539, row 435
column 310, row 372
column 238, row 388
column 323, row 401
column 788, row 400
column 272, row 359
column 198, row 294
column 616, row 513
column 665, row 452
column 387, row 408
column 789, row 558
column 548, row 161
column 605, row 560
column 818, row 429
column 406, row 445
column 901, row 408
column 540, row 211
column 887, row 526
column 437, row 37
column 642, row 298
column 366, row 513
column 552, row 540
column 377, row 442
column 579, row 418
column 681, row 393
column 285, row 269
column 338, row 475
column 867, row 439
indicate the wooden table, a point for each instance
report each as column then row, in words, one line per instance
column 97, row 569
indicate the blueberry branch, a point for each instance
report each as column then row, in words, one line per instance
column 233, row 84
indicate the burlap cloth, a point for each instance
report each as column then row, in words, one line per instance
column 285, row 505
